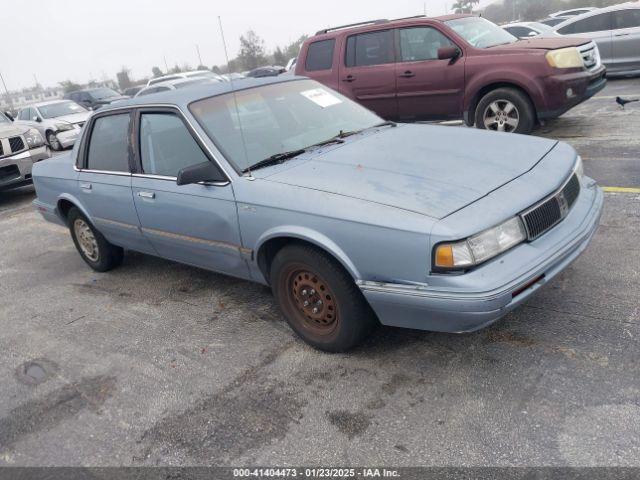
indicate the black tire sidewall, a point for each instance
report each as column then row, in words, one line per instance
column 59, row 147
column 109, row 257
column 355, row 317
column 519, row 99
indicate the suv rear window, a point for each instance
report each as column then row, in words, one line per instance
column 320, row 55
column 109, row 144
column 374, row 48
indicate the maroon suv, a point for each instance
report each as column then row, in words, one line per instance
column 452, row 67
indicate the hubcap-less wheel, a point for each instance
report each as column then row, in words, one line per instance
column 86, row 240
column 501, row 116
column 312, row 300
column 53, row 141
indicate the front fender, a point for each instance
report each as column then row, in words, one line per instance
column 503, row 78
column 311, row 236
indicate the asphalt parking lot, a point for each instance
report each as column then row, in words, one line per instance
column 158, row 363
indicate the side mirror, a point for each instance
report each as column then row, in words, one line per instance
column 202, row 172
column 9, row 116
column 449, row 53
column 532, row 34
column 37, row 119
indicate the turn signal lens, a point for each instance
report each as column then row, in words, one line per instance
column 565, row 58
column 444, row 256
column 453, row 255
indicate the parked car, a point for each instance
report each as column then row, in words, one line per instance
column 350, row 219
column 174, row 85
column 20, row 148
column 261, row 72
column 58, row 121
column 616, row 31
column 553, row 21
column 232, row 76
column 94, row 98
column 573, row 12
column 457, row 66
column 131, row 91
column 529, row 29
column 185, row 75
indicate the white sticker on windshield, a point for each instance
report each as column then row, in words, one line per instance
column 321, row 97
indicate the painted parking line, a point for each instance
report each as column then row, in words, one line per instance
column 621, row 189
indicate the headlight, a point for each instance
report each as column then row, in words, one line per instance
column 481, row 247
column 63, row 127
column 33, row 138
column 565, row 58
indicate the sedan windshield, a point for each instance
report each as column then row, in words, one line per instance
column 481, row 33
column 60, row 109
column 278, row 120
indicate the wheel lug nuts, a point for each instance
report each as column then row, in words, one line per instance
column 319, row 302
column 313, row 292
column 315, row 310
column 305, row 293
column 306, row 304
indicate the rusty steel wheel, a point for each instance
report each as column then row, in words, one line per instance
column 312, row 300
column 319, row 298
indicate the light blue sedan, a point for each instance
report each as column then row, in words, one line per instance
column 351, row 220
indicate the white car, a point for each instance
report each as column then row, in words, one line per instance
column 58, row 121
column 186, row 75
column 529, row 29
column 174, row 84
column 573, row 12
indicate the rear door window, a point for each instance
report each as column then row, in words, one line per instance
column 421, row 43
column 626, row 19
column 521, row 32
column 109, row 144
column 320, row 55
column 166, row 146
column 366, row 49
column 595, row 23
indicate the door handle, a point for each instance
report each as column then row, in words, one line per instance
column 408, row 74
column 621, row 34
column 147, row 194
column 349, row 78
column 85, row 186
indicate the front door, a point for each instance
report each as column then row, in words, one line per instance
column 428, row 88
column 367, row 73
column 626, row 40
column 105, row 182
column 195, row 224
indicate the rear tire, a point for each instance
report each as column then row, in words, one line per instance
column 319, row 299
column 94, row 249
column 505, row 110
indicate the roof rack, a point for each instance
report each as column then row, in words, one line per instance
column 370, row 22
column 408, row 18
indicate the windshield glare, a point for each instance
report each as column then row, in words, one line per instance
column 3, row 118
column 481, row 33
column 60, row 109
column 100, row 93
column 277, row 118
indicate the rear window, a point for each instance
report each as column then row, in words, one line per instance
column 366, row 49
column 109, row 144
column 626, row 19
column 596, row 23
column 320, row 55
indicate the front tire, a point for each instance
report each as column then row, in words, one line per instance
column 94, row 249
column 505, row 110
column 54, row 143
column 319, row 299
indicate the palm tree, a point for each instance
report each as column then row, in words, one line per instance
column 464, row 6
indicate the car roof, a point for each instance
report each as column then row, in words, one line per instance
column 183, row 97
column 49, row 102
column 599, row 11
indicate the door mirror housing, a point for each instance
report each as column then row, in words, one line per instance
column 201, row 172
column 449, row 53
column 37, row 119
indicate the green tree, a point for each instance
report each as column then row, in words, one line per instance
column 69, row 86
column 279, row 58
column 252, row 52
column 464, row 6
column 124, row 81
column 156, row 72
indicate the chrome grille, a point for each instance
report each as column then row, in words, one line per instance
column 543, row 217
column 590, row 56
column 16, row 144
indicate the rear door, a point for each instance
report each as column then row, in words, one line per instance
column 596, row 28
column 367, row 72
column 428, row 88
column 105, row 181
column 626, row 40
column 195, row 224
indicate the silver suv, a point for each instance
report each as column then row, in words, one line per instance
column 20, row 147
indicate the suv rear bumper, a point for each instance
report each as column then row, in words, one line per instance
column 458, row 311
column 582, row 85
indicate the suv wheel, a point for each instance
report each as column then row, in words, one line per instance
column 505, row 110
column 320, row 301
column 94, row 249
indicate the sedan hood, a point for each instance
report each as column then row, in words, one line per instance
column 431, row 170
column 543, row 43
column 12, row 129
column 73, row 118
column 108, row 100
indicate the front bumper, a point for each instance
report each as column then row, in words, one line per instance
column 68, row 138
column 583, row 85
column 457, row 311
column 15, row 170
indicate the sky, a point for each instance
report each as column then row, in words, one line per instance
column 80, row 40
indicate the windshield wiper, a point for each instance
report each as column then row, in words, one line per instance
column 387, row 124
column 274, row 159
